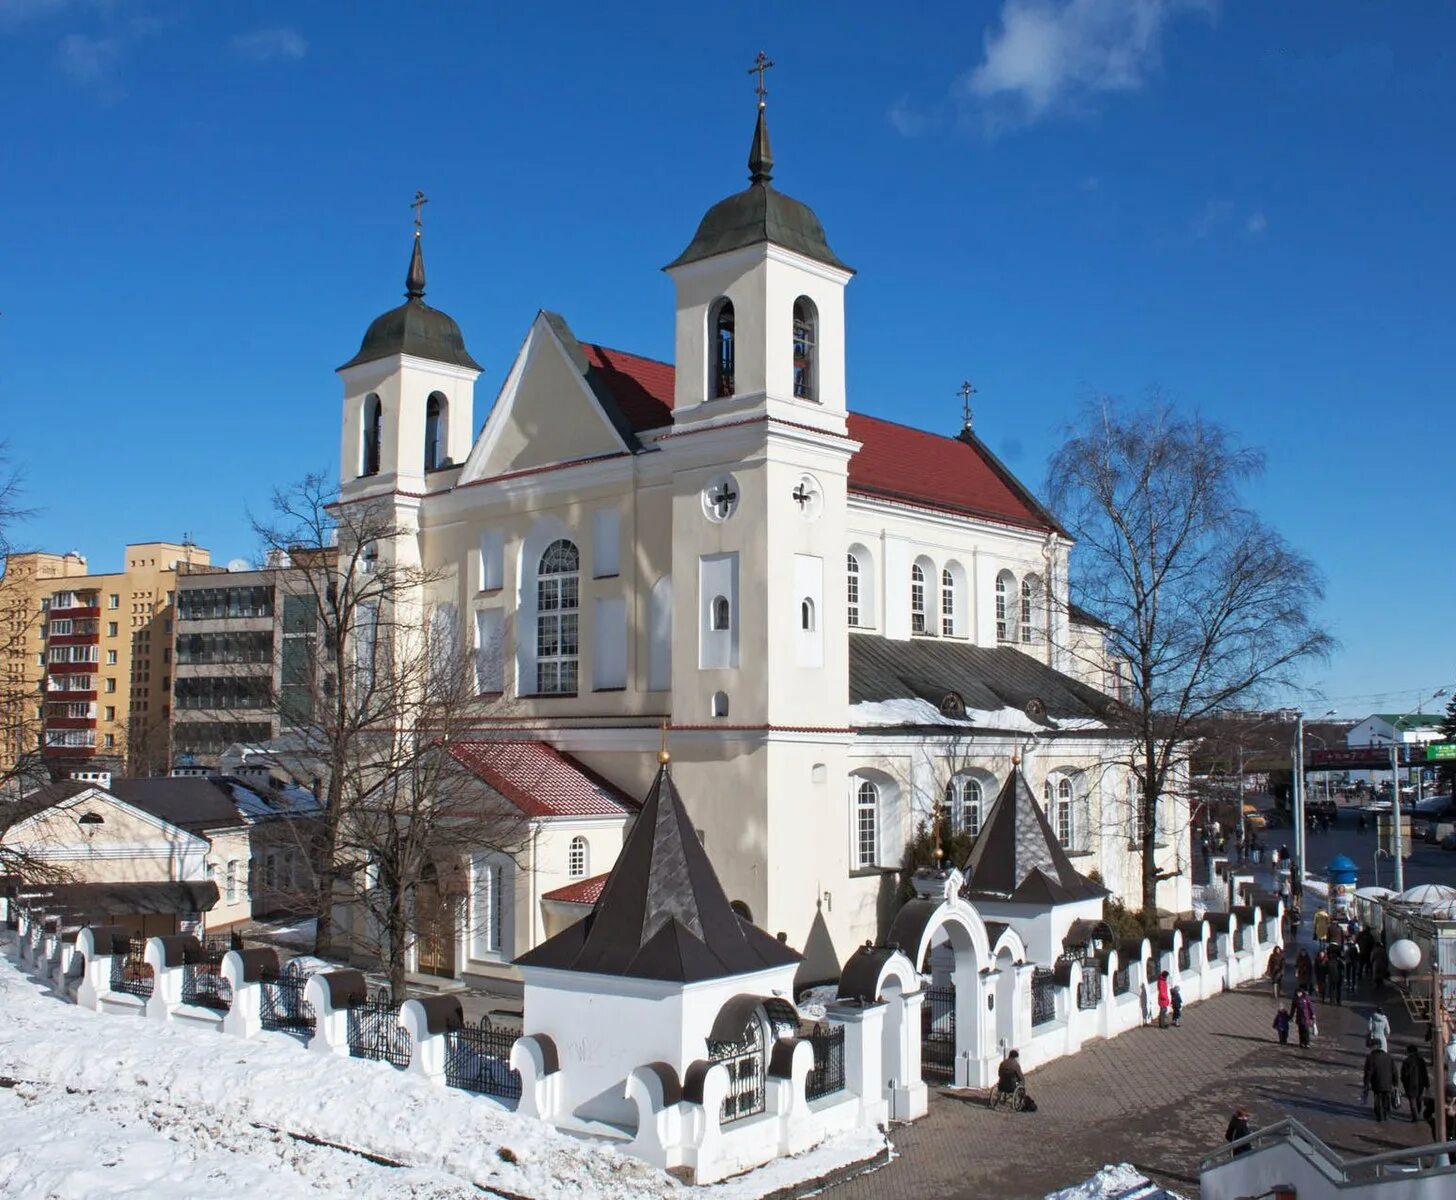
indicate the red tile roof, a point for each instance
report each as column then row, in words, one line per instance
column 895, row 461
column 642, row 387
column 583, row 891
column 542, row 781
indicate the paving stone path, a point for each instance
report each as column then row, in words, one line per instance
column 1159, row 1099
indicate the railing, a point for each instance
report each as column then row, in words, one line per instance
column 283, row 1007
column 375, row 1032
column 130, row 972
column 1089, row 991
column 827, row 1077
column 938, row 1035
column 743, row 1061
column 1413, row 1163
column 204, row 985
column 1122, row 981
column 477, row 1059
column 1043, row 996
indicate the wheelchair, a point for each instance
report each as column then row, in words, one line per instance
column 1013, row 1101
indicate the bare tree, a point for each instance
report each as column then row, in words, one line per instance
column 1209, row 608
column 21, row 766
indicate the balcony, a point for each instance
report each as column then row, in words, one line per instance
column 79, row 612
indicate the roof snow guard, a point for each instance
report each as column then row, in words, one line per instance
column 1017, row 856
column 662, row 912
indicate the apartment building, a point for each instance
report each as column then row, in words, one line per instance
column 245, row 653
column 88, row 658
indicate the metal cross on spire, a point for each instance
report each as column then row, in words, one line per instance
column 966, row 391
column 418, row 204
column 760, row 64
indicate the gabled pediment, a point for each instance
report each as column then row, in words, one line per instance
column 548, row 411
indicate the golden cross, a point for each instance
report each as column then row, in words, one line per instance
column 967, row 390
column 417, row 204
column 760, row 64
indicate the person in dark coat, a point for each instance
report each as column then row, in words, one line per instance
column 1303, row 1016
column 1238, row 1127
column 1380, row 1080
column 1322, row 975
column 1281, row 1026
column 1415, row 1080
column 1275, row 970
column 1337, row 973
column 1303, row 970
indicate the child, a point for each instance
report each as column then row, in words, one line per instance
column 1177, row 998
column 1281, row 1026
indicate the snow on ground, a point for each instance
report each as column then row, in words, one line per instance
column 1120, row 1182
column 119, row 1106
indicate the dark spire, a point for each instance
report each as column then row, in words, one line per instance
column 760, row 157
column 414, row 282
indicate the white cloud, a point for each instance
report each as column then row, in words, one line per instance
column 908, row 121
column 1215, row 215
column 90, row 61
column 280, row 44
column 1256, row 224
column 1052, row 56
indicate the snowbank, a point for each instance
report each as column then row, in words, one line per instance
column 1120, row 1182
column 119, row 1106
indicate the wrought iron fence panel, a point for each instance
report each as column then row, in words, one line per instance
column 374, row 1032
column 282, row 1004
column 1043, row 996
column 478, row 1059
column 1089, row 991
column 1122, row 981
column 743, row 1061
column 827, row 1077
column 204, row 986
column 938, row 1035
column 130, row 972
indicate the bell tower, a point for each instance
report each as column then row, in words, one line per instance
column 760, row 306
column 409, row 394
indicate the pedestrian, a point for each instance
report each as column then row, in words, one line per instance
column 1303, row 969
column 1415, row 1080
column 1176, row 996
column 1377, row 1032
column 1275, row 970
column 1304, row 1017
column 1281, row 1026
column 1337, row 975
column 1378, row 972
column 1238, row 1128
column 1165, row 999
column 1379, row 1080
column 1322, row 975
column 1322, row 927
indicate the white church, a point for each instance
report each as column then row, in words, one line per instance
column 852, row 627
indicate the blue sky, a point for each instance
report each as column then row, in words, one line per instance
column 1248, row 206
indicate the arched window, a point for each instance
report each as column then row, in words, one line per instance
column 576, row 858
column 1030, row 603
column 372, row 428
column 963, row 798
column 558, row 592
column 1058, row 797
column 917, row 599
column 806, row 615
column 851, row 587
column 720, row 329
column 722, row 613
column 866, row 824
column 947, row 603
column 806, row 351
column 720, row 704
column 1005, row 586
column 436, row 409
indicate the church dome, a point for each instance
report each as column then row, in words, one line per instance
column 414, row 327
column 760, row 213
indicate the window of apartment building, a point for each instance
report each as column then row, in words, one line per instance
column 59, row 628
column 111, row 658
column 111, row 712
column 113, row 601
column 111, row 685
column 232, row 881
column 300, row 621
column 110, row 628
column 110, row 741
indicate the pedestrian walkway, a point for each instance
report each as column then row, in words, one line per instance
column 1159, row 1099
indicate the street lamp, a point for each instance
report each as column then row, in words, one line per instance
column 1397, row 845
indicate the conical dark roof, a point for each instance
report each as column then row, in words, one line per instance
column 414, row 327
column 760, row 213
column 1017, row 856
column 662, row 912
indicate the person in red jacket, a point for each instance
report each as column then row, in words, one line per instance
column 1165, row 999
